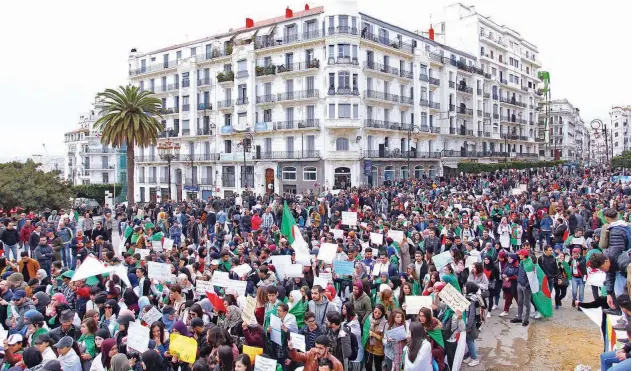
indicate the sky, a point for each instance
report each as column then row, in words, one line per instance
column 58, row 55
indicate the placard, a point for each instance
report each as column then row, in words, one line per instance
column 294, row 270
column 470, row 260
column 265, row 364
column 220, row 279
column 167, row 244
column 338, row 233
column 252, row 352
column 201, row 287
column 239, row 287
column 397, row 333
column 143, row 253
column 516, row 191
column 454, row 299
column 159, row 271
column 327, row 252
column 343, row 268
column 184, row 347
column 138, row 337
column 156, row 246
column 415, row 303
column 281, row 262
column 349, row 218
column 321, row 282
column 441, row 260
column 303, row 259
column 326, row 276
column 248, row 314
column 152, row 316
column 275, row 334
column 298, row 341
column 242, row 269
column 378, row 268
column 377, row 238
column 596, row 279
column 397, row 236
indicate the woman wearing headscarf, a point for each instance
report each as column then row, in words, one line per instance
column 123, row 322
column 102, row 360
column 119, row 363
column 185, row 284
column 504, row 230
column 473, row 321
column 99, row 337
column 41, row 301
column 152, row 361
column 44, row 281
column 493, row 277
column 130, row 299
column 361, row 301
column 372, row 334
column 510, row 282
column 233, row 318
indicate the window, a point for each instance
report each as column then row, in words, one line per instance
column 228, row 146
column 179, row 55
column 309, row 174
column 332, row 111
column 344, row 111
column 342, row 144
column 343, row 80
column 355, row 111
column 344, row 50
column 267, row 115
column 228, row 120
column 193, row 52
column 288, row 173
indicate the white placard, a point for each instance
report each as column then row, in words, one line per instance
column 349, row 218
column 443, row 259
column 143, row 253
column 281, row 262
column 327, row 252
column 454, row 299
column 397, row 236
column 236, row 286
column 294, row 270
column 516, row 192
column 596, row 279
column 303, row 259
column 363, row 225
column 265, row 364
column 167, row 244
column 220, row 279
column 338, row 233
column 326, row 276
column 377, row 238
column 470, row 260
column 152, row 316
column 242, row 269
column 379, row 268
column 275, row 334
column 138, row 337
column 248, row 314
column 320, row 281
column 415, row 303
column 159, row 271
column 156, row 246
column 298, row 341
column 201, row 287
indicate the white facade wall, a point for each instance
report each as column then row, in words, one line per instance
column 620, row 128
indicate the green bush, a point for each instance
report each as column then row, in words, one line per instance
column 95, row 191
column 475, row 168
column 622, row 161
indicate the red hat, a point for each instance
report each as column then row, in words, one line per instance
column 576, row 250
column 523, row 252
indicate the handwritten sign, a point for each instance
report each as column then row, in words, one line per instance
column 298, row 341
column 415, row 303
column 152, row 316
column 252, row 352
column 303, row 259
column 320, row 282
column 248, row 314
column 242, row 269
column 294, row 270
column 397, row 333
column 156, row 246
column 327, row 252
column 281, row 262
column 275, row 334
column 326, row 276
column 220, row 279
column 184, row 347
column 201, row 287
column 138, row 337
column 167, row 244
column 236, row 286
column 143, row 253
column 377, row 238
column 338, row 233
column 470, row 260
column 349, row 218
column 454, row 299
column 343, row 268
column 443, row 259
column 159, row 271
column 265, row 364
column 397, row 236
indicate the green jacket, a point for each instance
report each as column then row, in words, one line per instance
column 88, row 342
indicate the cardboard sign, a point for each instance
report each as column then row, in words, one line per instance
column 281, row 262
column 275, row 334
column 303, row 259
column 152, row 316
column 156, row 246
column 201, row 287
column 397, row 236
column 377, row 238
column 415, row 303
column 327, row 252
column 236, row 286
column 397, row 333
column 143, row 253
column 349, row 218
column 454, row 299
column 248, row 314
column 326, row 276
column 294, row 270
column 220, row 279
column 242, row 269
column 320, row 281
column 265, row 364
column 167, row 244
column 338, row 233
column 138, row 337
column 159, row 271
column 184, row 347
column 298, row 341
column 443, row 259
column 252, row 352
column 343, row 268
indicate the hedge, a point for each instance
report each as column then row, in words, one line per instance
column 622, row 161
column 474, row 167
column 95, row 191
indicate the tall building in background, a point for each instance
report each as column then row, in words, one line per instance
column 87, row 160
column 619, row 129
column 569, row 137
column 327, row 98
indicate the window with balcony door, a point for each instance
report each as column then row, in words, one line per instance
column 228, row 119
column 309, row 174
column 289, row 144
column 193, row 52
column 309, row 55
column 344, row 111
column 342, row 144
column 179, row 55
column 344, row 50
column 356, row 113
column 267, row 115
column 332, row 111
column 343, row 80
column 311, row 143
column 228, row 146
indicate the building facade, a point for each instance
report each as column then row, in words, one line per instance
column 620, row 129
column 569, row 135
column 326, row 98
column 87, row 160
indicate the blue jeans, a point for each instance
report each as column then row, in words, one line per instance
column 544, row 235
column 13, row 249
column 610, row 362
column 622, row 366
column 619, row 284
column 578, row 283
column 65, row 255
column 471, row 348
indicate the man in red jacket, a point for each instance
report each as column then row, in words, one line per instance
column 311, row 358
column 25, row 234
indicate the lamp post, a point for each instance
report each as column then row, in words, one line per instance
column 168, row 152
column 597, row 124
column 506, row 138
column 248, row 137
column 411, row 128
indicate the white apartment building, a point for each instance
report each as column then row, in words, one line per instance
column 322, row 98
column 87, row 160
column 620, row 129
column 597, row 147
column 568, row 133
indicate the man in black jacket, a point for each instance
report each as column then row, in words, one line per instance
column 11, row 239
column 578, row 272
column 549, row 265
column 44, row 254
column 34, row 238
column 432, row 244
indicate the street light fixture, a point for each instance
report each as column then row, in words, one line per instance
column 597, row 124
column 168, row 151
column 411, row 128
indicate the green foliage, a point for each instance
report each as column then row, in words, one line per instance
column 622, row 161
column 22, row 184
column 475, row 168
column 96, row 191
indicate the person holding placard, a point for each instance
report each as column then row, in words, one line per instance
column 473, row 322
column 433, row 329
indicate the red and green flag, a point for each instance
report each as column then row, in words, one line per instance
column 288, row 223
column 541, row 299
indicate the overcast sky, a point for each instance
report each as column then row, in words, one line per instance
column 58, row 55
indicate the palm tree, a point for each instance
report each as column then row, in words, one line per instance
column 129, row 118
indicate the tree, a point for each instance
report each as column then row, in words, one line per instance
column 23, row 184
column 129, row 118
column 621, row 161
column 95, row 191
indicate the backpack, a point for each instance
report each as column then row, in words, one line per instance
column 354, row 344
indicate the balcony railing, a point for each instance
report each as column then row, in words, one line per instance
column 342, row 30
column 225, row 104
column 423, row 77
column 185, row 108
column 393, row 43
column 262, row 43
column 452, row 108
column 298, row 66
column 406, row 74
column 205, row 106
column 479, row 91
column 451, row 84
column 381, row 68
column 269, row 98
column 495, row 97
column 396, row 153
column 241, row 74
column 297, row 95
column 424, row 103
column 206, row 181
column 168, row 111
column 348, row 61
column 226, row 76
column 485, row 95
column 372, row 94
column 265, row 70
column 297, row 124
column 241, row 101
column 282, row 155
column 186, row 131
column 406, row 100
column 496, row 116
column 464, row 89
column 488, row 134
column 204, row 131
column 343, row 91
column 153, row 67
column 172, row 87
column 146, row 158
column 186, row 83
column 486, row 115
column 435, row 105
column 204, row 81
column 434, row 81
column 380, row 124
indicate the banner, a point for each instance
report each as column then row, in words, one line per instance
column 242, row 269
column 343, row 268
column 167, row 244
column 156, row 246
column 184, row 347
column 294, row 270
column 89, row 268
column 220, row 279
column 143, row 253
column 275, row 334
column 338, row 233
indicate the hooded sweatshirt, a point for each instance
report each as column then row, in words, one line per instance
column 321, row 308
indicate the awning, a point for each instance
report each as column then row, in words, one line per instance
column 451, row 165
column 245, row 35
column 265, row 31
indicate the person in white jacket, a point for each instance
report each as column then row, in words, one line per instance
column 417, row 354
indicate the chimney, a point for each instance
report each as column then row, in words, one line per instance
column 288, row 13
column 306, row 6
column 250, row 23
column 431, row 33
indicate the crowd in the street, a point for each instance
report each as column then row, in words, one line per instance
column 398, row 277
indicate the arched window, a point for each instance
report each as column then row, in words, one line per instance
column 389, row 173
column 289, row 173
column 419, row 171
column 432, row 171
column 403, row 171
column 309, row 174
column 342, row 144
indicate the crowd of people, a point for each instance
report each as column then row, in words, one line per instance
column 461, row 243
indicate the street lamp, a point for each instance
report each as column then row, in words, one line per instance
column 411, row 128
column 248, row 137
column 168, row 152
column 505, row 136
column 597, row 124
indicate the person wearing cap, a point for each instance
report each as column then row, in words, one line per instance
column 68, row 358
column 12, row 351
column 43, row 344
column 578, row 272
column 35, row 323
column 22, row 305
column 66, row 327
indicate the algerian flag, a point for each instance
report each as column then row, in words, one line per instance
column 299, row 245
column 288, row 223
column 542, row 298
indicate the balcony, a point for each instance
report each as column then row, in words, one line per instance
column 242, row 74
column 344, row 155
column 464, row 89
column 226, row 77
column 156, row 67
column 380, row 96
column 342, row 30
column 206, row 181
column 452, row 108
column 424, row 102
column 406, row 74
column 381, row 69
column 186, row 132
column 487, row 115
column 496, row 116
column 288, row 125
column 343, row 61
column 241, row 101
column 479, row 91
column 264, row 43
column 205, row 106
column 436, row 58
column 288, row 155
column 225, row 104
column 434, row 81
column 435, row 105
column 151, row 180
column 488, row 134
column 197, row 157
column 173, row 87
column 266, row 99
column 385, row 125
column 298, row 95
column 397, row 153
column 423, row 77
column 527, row 155
column 97, row 150
column 169, row 111
column 343, row 91
column 451, row 84
column 215, row 53
column 204, row 131
column 312, row 65
column 186, row 83
column 479, row 113
column 406, row 100
column 393, row 43
column 495, row 97
column 269, row 70
column 204, row 81
column 169, row 133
